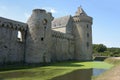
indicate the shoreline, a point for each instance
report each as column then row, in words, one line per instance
column 113, row 73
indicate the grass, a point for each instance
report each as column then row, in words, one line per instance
column 46, row 72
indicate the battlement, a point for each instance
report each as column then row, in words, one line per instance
column 82, row 19
column 39, row 10
column 61, row 35
column 12, row 24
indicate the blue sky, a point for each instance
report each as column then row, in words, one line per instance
column 105, row 13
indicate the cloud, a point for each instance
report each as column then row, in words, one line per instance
column 49, row 9
column 52, row 10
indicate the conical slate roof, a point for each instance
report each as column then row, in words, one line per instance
column 80, row 11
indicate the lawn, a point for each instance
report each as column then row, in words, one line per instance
column 46, row 72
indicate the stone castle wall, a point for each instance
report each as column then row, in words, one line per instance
column 38, row 43
column 62, row 46
column 11, row 48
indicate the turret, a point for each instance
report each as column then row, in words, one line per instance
column 83, row 35
column 38, row 41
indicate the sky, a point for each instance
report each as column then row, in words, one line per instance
column 105, row 13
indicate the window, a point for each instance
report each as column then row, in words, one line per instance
column 87, row 44
column 87, row 26
column 5, row 46
column 45, row 27
column 44, row 22
column 42, row 39
column 19, row 36
column 88, row 35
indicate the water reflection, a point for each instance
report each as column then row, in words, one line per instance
column 83, row 74
column 97, row 72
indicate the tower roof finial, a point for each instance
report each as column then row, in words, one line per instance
column 80, row 11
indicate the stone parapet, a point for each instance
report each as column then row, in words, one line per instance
column 12, row 24
column 62, row 35
column 82, row 19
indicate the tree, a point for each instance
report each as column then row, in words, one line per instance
column 99, row 48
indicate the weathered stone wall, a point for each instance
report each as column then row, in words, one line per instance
column 62, row 46
column 11, row 48
column 39, row 37
column 83, row 37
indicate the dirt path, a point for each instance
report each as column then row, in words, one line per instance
column 112, row 74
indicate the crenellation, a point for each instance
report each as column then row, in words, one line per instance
column 39, row 11
column 12, row 24
column 82, row 19
column 61, row 35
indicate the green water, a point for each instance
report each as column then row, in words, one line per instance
column 86, row 71
column 51, row 71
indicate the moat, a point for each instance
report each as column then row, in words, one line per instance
column 81, row 74
column 55, row 71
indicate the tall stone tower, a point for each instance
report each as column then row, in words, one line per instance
column 38, row 41
column 83, row 35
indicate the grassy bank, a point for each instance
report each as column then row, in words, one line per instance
column 113, row 60
column 113, row 73
column 47, row 72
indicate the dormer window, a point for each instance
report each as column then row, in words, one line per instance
column 82, row 14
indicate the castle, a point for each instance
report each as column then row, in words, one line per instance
column 44, row 39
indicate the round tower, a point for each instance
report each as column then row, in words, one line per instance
column 38, row 41
column 83, row 35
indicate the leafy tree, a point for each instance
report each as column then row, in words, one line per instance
column 114, row 49
column 99, row 48
column 102, row 50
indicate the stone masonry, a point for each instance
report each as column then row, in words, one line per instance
column 44, row 39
